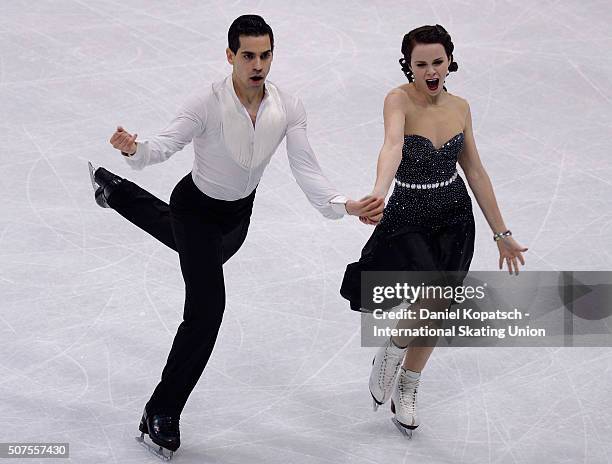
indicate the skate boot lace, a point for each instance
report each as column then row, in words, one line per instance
column 408, row 394
column 386, row 375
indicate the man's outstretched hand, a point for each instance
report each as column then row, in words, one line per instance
column 124, row 141
column 369, row 209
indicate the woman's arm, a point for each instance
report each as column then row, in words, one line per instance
column 394, row 113
column 480, row 183
column 478, row 179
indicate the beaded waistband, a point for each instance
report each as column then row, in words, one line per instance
column 427, row 186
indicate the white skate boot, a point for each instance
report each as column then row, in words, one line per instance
column 404, row 404
column 384, row 370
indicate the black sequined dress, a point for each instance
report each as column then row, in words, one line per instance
column 427, row 224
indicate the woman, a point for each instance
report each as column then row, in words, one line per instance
column 428, row 223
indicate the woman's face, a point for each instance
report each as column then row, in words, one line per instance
column 429, row 65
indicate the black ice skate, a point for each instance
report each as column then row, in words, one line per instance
column 103, row 183
column 163, row 430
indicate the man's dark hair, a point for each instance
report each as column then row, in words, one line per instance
column 248, row 25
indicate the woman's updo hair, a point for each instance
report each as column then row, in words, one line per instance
column 426, row 35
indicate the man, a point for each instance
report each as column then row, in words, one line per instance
column 236, row 126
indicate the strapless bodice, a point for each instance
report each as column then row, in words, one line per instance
column 422, row 163
column 428, row 191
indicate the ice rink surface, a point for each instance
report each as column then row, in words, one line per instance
column 89, row 303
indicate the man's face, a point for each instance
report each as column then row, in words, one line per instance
column 252, row 61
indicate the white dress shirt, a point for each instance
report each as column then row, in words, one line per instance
column 231, row 154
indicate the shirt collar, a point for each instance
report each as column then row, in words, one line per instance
column 229, row 83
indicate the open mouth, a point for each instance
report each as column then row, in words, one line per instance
column 432, row 84
column 257, row 78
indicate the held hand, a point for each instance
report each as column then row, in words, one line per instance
column 124, row 141
column 372, row 220
column 369, row 206
column 511, row 252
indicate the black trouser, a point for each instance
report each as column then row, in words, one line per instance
column 206, row 232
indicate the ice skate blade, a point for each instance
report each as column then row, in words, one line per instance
column 405, row 431
column 157, row 450
column 375, row 404
column 98, row 191
column 91, row 175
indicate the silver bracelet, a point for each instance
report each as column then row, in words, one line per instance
column 499, row 235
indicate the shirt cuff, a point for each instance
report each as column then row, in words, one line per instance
column 338, row 204
column 135, row 154
column 138, row 159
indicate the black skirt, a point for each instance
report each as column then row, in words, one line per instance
column 412, row 248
